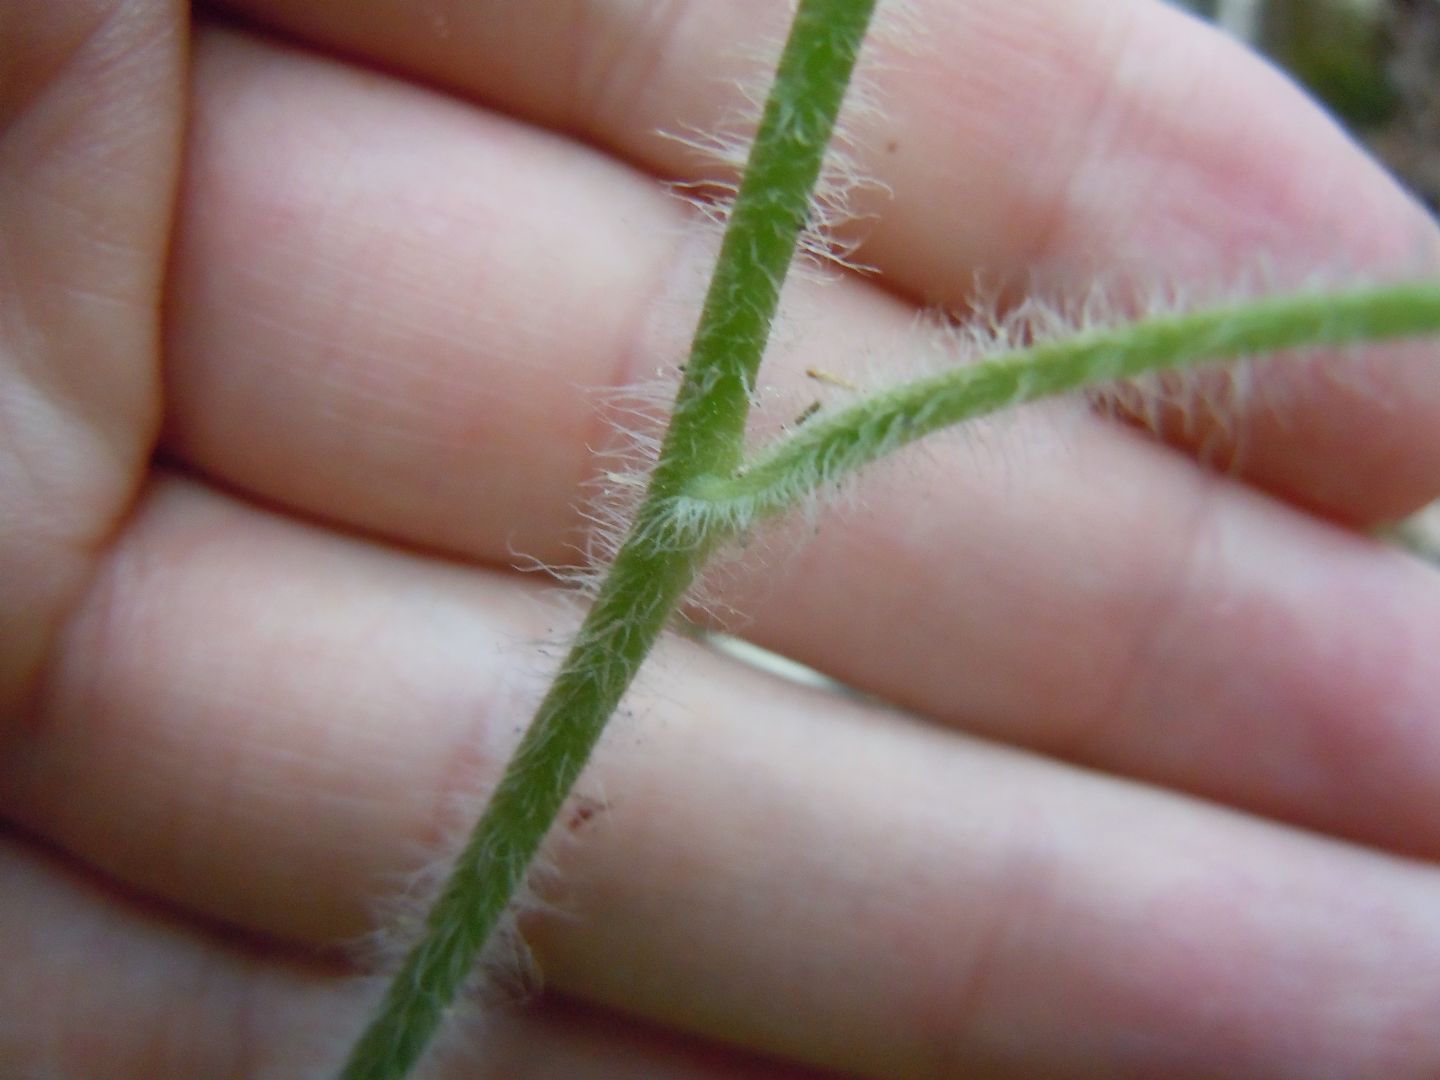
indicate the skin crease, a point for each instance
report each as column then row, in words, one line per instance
column 301, row 323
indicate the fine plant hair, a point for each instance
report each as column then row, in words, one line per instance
column 658, row 529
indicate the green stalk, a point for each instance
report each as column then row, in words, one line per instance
column 825, row 450
column 648, row 579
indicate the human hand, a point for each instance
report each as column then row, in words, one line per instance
column 263, row 651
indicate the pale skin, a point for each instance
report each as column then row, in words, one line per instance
column 274, row 427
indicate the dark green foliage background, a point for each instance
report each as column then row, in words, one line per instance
column 1374, row 63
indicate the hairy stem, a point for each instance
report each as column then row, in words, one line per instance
column 827, row 449
column 700, row 490
column 647, row 580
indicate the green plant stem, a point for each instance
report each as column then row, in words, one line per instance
column 700, row 490
column 827, row 449
column 647, row 580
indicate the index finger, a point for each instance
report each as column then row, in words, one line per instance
column 1056, row 140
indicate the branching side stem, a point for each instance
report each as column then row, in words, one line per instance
column 827, row 449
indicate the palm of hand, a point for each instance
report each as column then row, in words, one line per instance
column 262, row 648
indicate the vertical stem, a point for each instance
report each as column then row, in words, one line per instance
column 652, row 571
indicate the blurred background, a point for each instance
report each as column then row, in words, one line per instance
column 1374, row 63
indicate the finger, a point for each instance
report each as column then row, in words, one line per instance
column 1129, row 613
column 90, row 99
column 98, row 984
column 1055, row 141
column 424, row 393
column 1053, row 581
column 291, row 720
